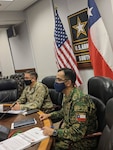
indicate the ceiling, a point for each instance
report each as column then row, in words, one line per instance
column 7, row 6
column 15, row 5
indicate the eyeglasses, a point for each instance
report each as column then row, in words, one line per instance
column 60, row 80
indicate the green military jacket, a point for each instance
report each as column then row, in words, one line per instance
column 36, row 97
column 79, row 118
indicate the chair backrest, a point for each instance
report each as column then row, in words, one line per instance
column 49, row 81
column 8, row 90
column 100, row 106
column 111, row 139
column 56, row 97
column 101, row 87
column 109, row 112
column 106, row 139
column 19, row 78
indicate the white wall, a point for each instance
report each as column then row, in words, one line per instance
column 112, row 6
column 21, row 49
column 6, row 62
column 40, row 21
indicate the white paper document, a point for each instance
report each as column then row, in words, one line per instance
column 16, row 111
column 23, row 140
column 1, row 108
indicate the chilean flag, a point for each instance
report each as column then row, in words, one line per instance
column 100, row 49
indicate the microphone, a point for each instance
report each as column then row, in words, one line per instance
column 9, row 108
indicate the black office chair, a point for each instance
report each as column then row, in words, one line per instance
column 106, row 139
column 19, row 78
column 55, row 96
column 100, row 112
column 8, row 90
column 100, row 87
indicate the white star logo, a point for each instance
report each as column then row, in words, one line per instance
column 90, row 11
column 80, row 27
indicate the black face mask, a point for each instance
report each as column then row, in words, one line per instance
column 27, row 82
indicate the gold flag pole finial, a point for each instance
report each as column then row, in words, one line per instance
column 55, row 7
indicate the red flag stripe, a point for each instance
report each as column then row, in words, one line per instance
column 101, row 66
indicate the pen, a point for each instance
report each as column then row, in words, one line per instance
column 13, row 104
column 13, row 133
column 8, row 110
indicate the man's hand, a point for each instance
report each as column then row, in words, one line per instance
column 47, row 131
column 16, row 107
column 44, row 116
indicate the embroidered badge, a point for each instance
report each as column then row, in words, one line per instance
column 81, row 117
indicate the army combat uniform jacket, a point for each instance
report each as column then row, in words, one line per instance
column 36, row 97
column 79, row 118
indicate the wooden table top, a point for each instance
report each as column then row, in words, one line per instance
column 44, row 144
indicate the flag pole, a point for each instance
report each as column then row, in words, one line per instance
column 54, row 7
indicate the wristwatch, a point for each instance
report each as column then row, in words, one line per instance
column 54, row 133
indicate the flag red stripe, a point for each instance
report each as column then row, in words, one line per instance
column 73, row 58
column 103, row 68
column 58, row 59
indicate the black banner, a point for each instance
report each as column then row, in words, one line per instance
column 78, row 23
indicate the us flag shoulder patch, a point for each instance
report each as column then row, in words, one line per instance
column 81, row 117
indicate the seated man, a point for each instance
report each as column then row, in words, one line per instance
column 35, row 95
column 78, row 113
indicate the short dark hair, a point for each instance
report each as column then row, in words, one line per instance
column 69, row 74
column 32, row 73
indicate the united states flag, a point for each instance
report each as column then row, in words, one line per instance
column 101, row 52
column 63, row 50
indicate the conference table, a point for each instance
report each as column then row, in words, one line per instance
column 44, row 144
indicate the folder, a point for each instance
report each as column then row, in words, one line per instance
column 23, row 140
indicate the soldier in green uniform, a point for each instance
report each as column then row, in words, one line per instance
column 78, row 113
column 35, row 95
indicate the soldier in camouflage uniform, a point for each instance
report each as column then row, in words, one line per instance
column 35, row 95
column 78, row 113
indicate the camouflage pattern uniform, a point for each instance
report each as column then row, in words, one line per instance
column 79, row 119
column 36, row 97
